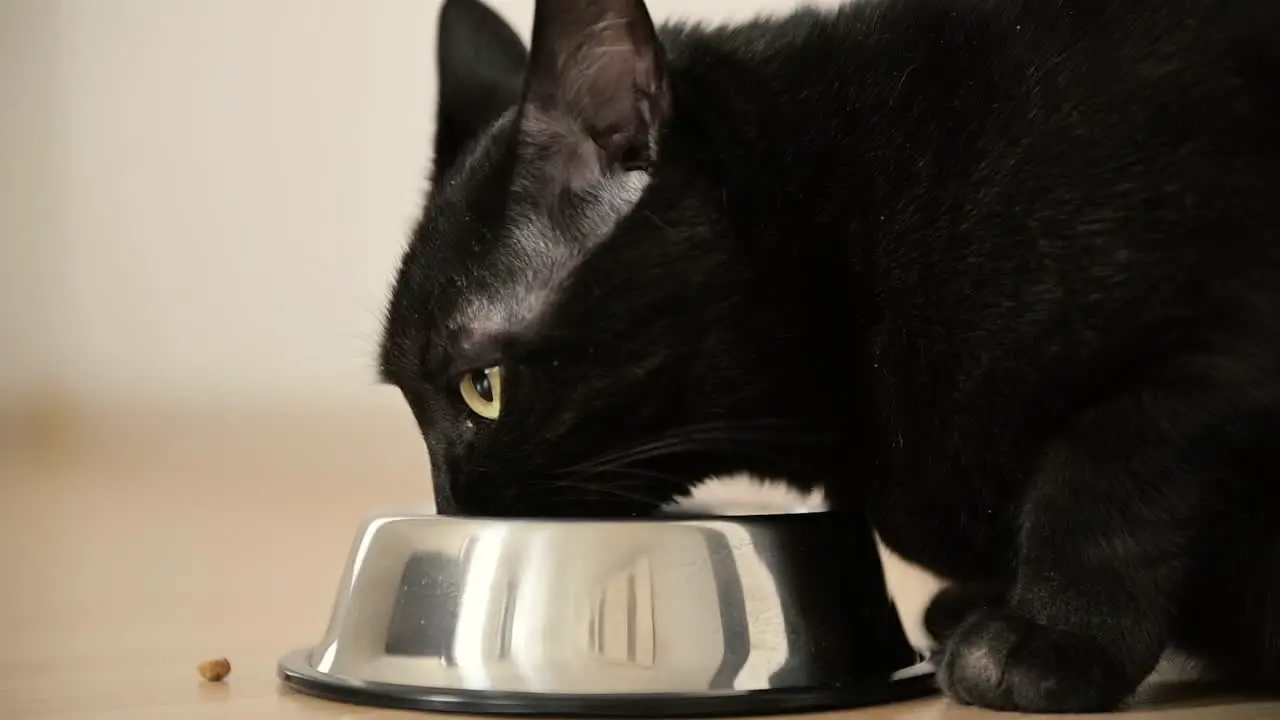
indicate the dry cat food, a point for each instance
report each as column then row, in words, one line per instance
column 215, row 670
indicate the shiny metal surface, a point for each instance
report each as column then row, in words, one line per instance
column 690, row 606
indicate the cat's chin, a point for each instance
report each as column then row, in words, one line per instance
column 745, row 494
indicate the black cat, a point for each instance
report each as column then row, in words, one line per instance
column 1003, row 276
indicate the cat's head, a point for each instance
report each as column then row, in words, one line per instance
column 572, row 324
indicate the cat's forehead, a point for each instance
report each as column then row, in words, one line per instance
column 498, row 244
column 491, row 218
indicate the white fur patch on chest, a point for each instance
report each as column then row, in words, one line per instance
column 911, row 588
column 746, row 494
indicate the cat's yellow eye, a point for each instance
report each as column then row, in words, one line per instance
column 482, row 391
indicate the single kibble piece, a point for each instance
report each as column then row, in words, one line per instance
column 215, row 670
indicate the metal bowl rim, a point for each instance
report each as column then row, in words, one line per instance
column 911, row 683
column 675, row 520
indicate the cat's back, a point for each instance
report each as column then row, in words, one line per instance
column 957, row 131
column 1032, row 191
column 846, row 35
column 900, row 58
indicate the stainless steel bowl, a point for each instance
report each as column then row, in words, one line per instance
column 688, row 616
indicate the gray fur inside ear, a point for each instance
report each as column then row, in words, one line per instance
column 570, row 159
column 596, row 69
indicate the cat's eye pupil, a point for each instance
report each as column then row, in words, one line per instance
column 480, row 381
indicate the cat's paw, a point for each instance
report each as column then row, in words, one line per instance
column 1001, row 661
column 955, row 604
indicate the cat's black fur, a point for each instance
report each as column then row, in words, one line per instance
column 1003, row 275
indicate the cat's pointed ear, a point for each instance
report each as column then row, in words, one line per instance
column 599, row 65
column 481, row 64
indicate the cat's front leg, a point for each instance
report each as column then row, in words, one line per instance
column 950, row 608
column 1105, row 536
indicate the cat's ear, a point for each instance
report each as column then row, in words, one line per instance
column 481, row 64
column 598, row 65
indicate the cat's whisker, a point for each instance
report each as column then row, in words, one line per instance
column 701, row 436
column 619, row 468
column 747, row 445
column 627, row 464
column 639, row 452
column 594, row 491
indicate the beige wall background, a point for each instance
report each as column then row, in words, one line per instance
column 206, row 199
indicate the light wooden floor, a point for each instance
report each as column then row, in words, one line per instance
column 157, row 540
